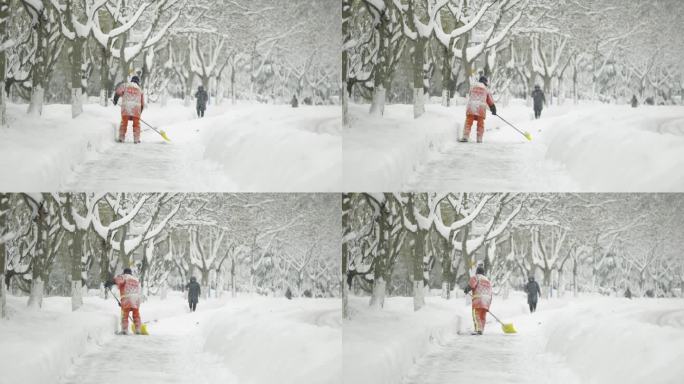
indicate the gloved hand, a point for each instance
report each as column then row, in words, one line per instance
column 467, row 289
column 493, row 109
column 108, row 284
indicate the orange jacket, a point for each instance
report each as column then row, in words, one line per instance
column 129, row 290
column 482, row 291
column 132, row 99
column 478, row 101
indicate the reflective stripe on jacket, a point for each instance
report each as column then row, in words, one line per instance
column 482, row 291
column 132, row 100
column 129, row 289
column 478, row 101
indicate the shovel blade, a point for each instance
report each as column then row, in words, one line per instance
column 163, row 135
column 143, row 329
column 508, row 328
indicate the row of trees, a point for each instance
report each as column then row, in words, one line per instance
column 403, row 244
column 579, row 48
column 63, row 243
column 64, row 50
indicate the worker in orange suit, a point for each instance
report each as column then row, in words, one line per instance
column 481, row 289
column 478, row 99
column 132, row 105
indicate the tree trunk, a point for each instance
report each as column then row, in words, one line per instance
column 378, row 105
column 418, row 86
column 76, row 86
column 574, row 278
column 104, row 78
column 232, row 279
column 76, row 275
column 418, row 283
column 36, row 296
column 4, row 212
column 205, row 283
column 377, row 300
column 35, row 107
column 547, row 90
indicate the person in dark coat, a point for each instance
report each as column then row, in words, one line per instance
column 539, row 101
column 533, row 291
column 628, row 293
column 635, row 102
column 202, row 98
column 193, row 293
column 294, row 102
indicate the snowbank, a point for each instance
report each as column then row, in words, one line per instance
column 278, row 340
column 38, row 153
column 621, row 341
column 243, row 147
column 585, row 148
column 380, row 153
column 266, row 148
column 38, row 346
column 618, row 148
column 380, row 346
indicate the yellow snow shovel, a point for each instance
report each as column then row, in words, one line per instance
column 159, row 131
column 143, row 326
column 527, row 135
column 505, row 327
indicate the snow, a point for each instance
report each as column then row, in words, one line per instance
column 589, row 147
column 243, row 147
column 228, row 340
column 585, row 340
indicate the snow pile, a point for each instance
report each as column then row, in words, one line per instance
column 621, row 341
column 279, row 148
column 380, row 346
column 37, row 153
column 381, row 153
column 618, row 148
column 585, row 147
column 278, row 340
column 38, row 346
column 243, row 147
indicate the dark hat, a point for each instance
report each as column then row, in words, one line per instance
column 135, row 79
column 536, row 86
column 193, row 278
column 480, row 270
column 484, row 80
column 127, row 271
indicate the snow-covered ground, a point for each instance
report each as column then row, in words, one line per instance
column 586, row 147
column 584, row 340
column 244, row 147
column 241, row 340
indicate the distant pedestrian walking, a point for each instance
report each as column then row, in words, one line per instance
column 533, row 293
column 194, row 292
column 539, row 100
column 294, row 102
column 635, row 102
column 202, row 98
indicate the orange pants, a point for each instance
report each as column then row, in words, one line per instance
column 479, row 318
column 124, row 126
column 469, row 122
column 124, row 318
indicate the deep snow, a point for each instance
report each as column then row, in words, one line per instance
column 589, row 147
column 242, row 148
column 585, row 340
column 228, row 340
